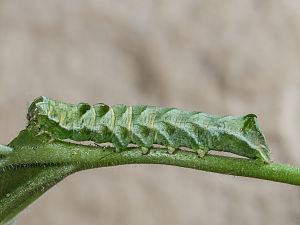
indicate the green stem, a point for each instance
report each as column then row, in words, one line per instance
column 218, row 164
column 85, row 157
column 36, row 163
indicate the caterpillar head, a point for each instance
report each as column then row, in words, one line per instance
column 33, row 108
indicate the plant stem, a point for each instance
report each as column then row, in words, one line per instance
column 34, row 163
column 85, row 157
column 218, row 164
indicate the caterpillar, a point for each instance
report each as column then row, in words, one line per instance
column 145, row 126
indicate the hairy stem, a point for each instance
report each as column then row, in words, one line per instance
column 85, row 157
column 37, row 163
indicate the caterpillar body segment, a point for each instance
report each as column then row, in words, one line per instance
column 147, row 125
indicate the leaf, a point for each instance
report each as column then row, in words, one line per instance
column 32, row 164
column 21, row 184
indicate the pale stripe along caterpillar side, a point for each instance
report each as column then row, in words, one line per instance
column 147, row 125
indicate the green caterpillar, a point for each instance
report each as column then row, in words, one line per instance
column 147, row 125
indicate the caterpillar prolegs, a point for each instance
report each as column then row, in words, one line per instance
column 148, row 125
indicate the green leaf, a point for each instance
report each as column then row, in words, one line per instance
column 22, row 183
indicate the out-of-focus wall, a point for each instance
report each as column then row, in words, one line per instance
column 231, row 57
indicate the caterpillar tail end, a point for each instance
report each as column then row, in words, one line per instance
column 264, row 154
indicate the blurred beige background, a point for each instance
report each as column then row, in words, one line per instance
column 222, row 57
